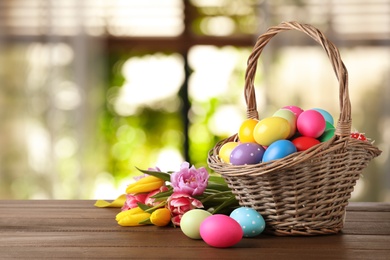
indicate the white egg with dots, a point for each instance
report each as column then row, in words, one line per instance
column 251, row 221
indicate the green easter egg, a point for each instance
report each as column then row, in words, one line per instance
column 327, row 135
column 329, row 126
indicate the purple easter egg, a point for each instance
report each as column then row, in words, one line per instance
column 247, row 153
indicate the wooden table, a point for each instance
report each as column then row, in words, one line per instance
column 77, row 229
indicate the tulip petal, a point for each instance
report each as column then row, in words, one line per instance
column 161, row 217
column 191, row 181
column 176, row 220
column 117, row 203
column 132, row 217
column 146, row 184
column 197, row 204
column 179, row 202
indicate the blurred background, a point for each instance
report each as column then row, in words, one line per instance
column 91, row 89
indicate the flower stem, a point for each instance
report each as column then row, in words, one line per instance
column 227, row 203
column 216, row 195
column 160, row 205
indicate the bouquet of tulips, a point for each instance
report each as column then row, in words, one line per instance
column 161, row 198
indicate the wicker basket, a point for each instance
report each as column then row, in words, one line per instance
column 305, row 193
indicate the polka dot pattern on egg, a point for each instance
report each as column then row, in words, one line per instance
column 251, row 222
column 246, row 153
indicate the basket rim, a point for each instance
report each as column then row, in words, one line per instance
column 291, row 160
column 335, row 144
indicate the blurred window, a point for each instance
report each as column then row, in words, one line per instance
column 99, row 87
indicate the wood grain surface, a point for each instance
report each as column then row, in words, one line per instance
column 55, row 229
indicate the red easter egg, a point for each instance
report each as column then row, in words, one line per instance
column 303, row 143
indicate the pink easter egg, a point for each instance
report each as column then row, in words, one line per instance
column 221, row 231
column 311, row 123
column 296, row 110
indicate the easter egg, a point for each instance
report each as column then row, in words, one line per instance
column 221, row 231
column 271, row 129
column 191, row 220
column 303, row 143
column 245, row 133
column 290, row 117
column 328, row 134
column 225, row 151
column 327, row 116
column 246, row 153
column 328, row 126
column 296, row 110
column 251, row 222
column 311, row 123
column 278, row 150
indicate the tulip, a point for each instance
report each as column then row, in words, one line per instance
column 190, row 180
column 180, row 203
column 132, row 217
column 146, row 184
column 160, row 217
column 150, row 201
column 133, row 200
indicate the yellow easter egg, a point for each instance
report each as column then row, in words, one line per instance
column 271, row 129
column 245, row 133
column 290, row 117
column 226, row 150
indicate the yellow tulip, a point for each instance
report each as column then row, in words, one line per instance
column 146, row 184
column 132, row 217
column 161, row 217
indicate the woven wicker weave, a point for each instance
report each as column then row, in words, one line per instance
column 305, row 193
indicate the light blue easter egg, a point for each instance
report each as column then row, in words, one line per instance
column 279, row 149
column 251, row 222
column 327, row 116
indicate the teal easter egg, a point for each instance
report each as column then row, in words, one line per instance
column 251, row 222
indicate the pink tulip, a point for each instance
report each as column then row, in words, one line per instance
column 191, row 181
column 151, row 201
column 179, row 203
column 133, row 200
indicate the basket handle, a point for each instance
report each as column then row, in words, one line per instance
column 343, row 127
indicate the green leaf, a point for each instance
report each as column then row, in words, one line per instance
column 145, row 222
column 217, row 183
column 232, row 202
column 149, row 209
column 162, row 175
column 217, row 179
column 217, row 186
column 144, row 207
column 216, row 195
column 163, row 194
column 161, row 199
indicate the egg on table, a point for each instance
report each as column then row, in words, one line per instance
column 221, row 231
column 191, row 220
column 251, row 221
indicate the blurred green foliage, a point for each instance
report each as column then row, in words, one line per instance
column 136, row 140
